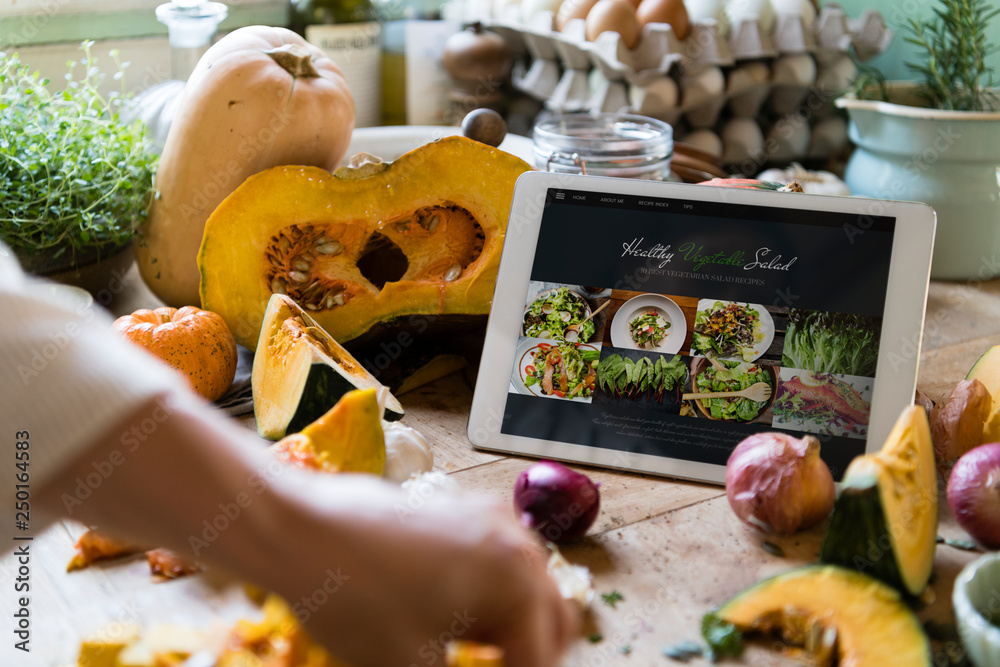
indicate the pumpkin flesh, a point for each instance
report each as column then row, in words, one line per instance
column 873, row 628
column 348, row 438
column 418, row 237
column 885, row 520
column 300, row 372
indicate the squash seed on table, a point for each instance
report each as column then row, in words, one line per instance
column 772, row 548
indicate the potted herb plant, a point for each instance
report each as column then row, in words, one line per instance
column 937, row 139
column 75, row 180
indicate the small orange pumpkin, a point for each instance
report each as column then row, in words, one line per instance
column 196, row 342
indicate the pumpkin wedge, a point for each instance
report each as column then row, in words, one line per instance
column 348, row 438
column 300, row 372
column 884, row 522
column 833, row 611
column 369, row 244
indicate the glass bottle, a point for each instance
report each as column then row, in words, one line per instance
column 351, row 35
column 414, row 82
column 191, row 25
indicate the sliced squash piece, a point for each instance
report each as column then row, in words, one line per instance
column 278, row 639
column 300, row 372
column 348, row 438
column 987, row 370
column 373, row 243
column 884, row 522
column 833, row 610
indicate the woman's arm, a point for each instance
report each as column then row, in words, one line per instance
column 377, row 580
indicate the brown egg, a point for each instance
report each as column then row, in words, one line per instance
column 665, row 11
column 613, row 16
column 634, row 3
column 572, row 9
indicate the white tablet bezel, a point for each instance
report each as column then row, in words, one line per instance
column 902, row 323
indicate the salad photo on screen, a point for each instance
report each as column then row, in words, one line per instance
column 648, row 329
column 733, row 376
column 559, row 314
column 836, row 343
column 729, row 330
column 562, row 370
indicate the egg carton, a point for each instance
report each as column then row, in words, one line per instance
column 717, row 75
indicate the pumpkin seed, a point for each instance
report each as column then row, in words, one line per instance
column 308, row 256
column 278, row 286
column 452, row 273
column 339, row 298
column 772, row 548
column 302, row 265
column 331, row 248
column 312, row 306
column 297, row 276
column 285, row 244
column 430, row 224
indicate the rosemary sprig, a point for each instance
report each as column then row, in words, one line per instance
column 954, row 45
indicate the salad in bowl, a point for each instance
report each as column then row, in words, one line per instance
column 559, row 314
column 648, row 329
column 730, row 330
column 562, row 370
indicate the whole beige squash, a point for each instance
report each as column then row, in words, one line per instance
column 259, row 98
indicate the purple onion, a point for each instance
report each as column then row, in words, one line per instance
column 559, row 503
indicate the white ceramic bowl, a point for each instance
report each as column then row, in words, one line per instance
column 392, row 141
column 976, row 598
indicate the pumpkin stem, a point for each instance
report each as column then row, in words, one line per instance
column 294, row 59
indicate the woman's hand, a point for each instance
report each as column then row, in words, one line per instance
column 414, row 571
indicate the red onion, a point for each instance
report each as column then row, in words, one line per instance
column 974, row 493
column 778, row 483
column 559, row 503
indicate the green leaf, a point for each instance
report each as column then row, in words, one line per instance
column 721, row 636
column 612, row 599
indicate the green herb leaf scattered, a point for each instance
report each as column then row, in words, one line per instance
column 722, row 637
column 595, row 638
column 682, row 651
column 612, row 599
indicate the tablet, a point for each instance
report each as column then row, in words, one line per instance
column 652, row 326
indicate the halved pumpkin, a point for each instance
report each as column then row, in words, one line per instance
column 833, row 611
column 371, row 243
column 884, row 522
column 348, row 438
column 300, row 372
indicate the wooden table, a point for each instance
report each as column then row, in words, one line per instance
column 673, row 549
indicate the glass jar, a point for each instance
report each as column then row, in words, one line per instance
column 604, row 144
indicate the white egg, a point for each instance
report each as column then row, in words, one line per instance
column 836, row 75
column 706, row 140
column 794, row 70
column 803, row 8
column 743, row 141
column 700, row 10
column 788, row 139
column 532, row 8
column 701, row 86
column 759, row 10
column 656, row 98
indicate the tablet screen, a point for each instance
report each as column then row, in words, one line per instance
column 676, row 328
